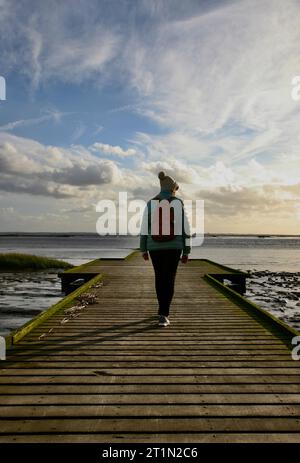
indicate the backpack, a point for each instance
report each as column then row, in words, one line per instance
column 158, row 222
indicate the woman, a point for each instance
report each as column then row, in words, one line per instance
column 165, row 251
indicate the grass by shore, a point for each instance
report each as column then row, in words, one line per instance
column 16, row 261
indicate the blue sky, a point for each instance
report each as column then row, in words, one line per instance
column 101, row 95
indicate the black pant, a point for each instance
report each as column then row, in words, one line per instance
column 165, row 263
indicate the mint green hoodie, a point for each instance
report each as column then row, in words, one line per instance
column 179, row 242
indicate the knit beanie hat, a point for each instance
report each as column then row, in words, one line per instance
column 167, row 182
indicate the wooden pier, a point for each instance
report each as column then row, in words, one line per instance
column 221, row 372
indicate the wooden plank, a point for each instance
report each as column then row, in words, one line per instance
column 162, row 398
column 97, row 410
column 149, row 424
column 131, row 370
column 144, row 343
column 73, row 329
column 175, row 383
column 191, row 437
column 163, row 371
column 118, row 341
column 59, row 357
column 150, row 351
column 81, row 337
column 88, row 362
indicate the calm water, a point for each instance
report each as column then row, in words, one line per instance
column 24, row 295
column 245, row 252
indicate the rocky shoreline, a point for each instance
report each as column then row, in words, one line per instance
column 23, row 295
column 276, row 292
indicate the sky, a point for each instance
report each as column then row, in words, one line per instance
column 102, row 95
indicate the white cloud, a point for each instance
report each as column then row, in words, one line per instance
column 50, row 115
column 99, row 129
column 78, row 132
column 79, row 58
column 57, row 41
column 27, row 165
column 115, row 150
column 220, row 81
column 176, row 169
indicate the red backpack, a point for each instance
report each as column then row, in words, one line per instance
column 158, row 223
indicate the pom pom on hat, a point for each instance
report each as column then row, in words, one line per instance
column 167, row 182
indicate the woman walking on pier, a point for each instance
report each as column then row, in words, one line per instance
column 165, row 245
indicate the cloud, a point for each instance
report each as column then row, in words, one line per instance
column 294, row 189
column 218, row 82
column 6, row 210
column 99, row 128
column 79, row 58
column 81, row 210
column 252, row 203
column 180, row 171
column 12, row 161
column 97, row 173
column 115, row 150
column 29, row 166
column 57, row 41
column 78, row 132
column 52, row 115
column 33, row 187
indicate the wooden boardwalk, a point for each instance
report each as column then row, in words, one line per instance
column 218, row 373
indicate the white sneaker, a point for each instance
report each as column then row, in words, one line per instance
column 163, row 321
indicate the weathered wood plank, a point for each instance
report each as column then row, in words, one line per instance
column 148, row 424
column 173, row 383
column 161, row 371
column 143, row 342
column 155, row 352
column 163, row 398
column 98, row 410
column 58, row 357
column 286, row 366
column 191, row 437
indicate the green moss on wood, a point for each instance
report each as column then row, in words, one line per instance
column 83, row 267
column 132, row 254
column 220, row 266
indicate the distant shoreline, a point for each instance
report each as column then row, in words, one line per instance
column 214, row 235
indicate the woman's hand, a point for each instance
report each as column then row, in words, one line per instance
column 184, row 258
column 145, row 256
